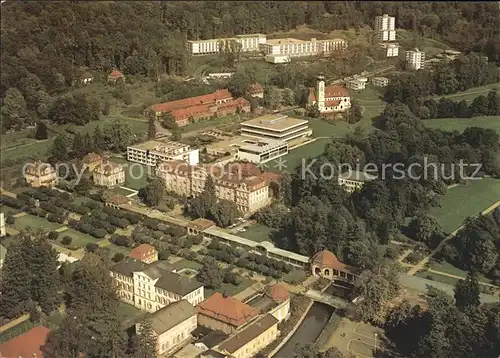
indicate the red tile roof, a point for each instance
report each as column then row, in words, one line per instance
column 255, row 88
column 333, row 103
column 27, row 345
column 118, row 200
column 92, row 158
column 331, row 91
column 116, row 74
column 278, row 293
column 327, row 259
column 219, row 95
column 227, row 309
column 142, row 252
column 201, row 224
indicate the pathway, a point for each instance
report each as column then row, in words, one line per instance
column 459, row 277
column 132, row 191
column 404, row 255
column 18, row 215
column 426, row 259
column 7, row 193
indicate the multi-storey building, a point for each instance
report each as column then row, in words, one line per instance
column 390, row 49
column 259, row 151
column 354, row 180
column 385, row 27
column 330, row 98
column 152, row 152
column 3, row 253
column 145, row 253
column 109, row 174
column 249, row 191
column 415, row 59
column 218, row 104
column 297, row 48
column 153, row 286
column 91, row 161
column 2, row 225
column 40, row 174
column 172, row 326
column 380, row 81
column 276, row 127
column 239, row 43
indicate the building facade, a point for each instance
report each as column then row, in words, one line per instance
column 40, row 174
column 249, row 192
column 3, row 253
column 91, row 161
column 329, row 99
column 145, row 253
column 153, row 286
column 297, row 48
column 262, row 151
column 356, row 83
column 380, row 81
column 109, row 174
column 2, row 225
column 354, row 180
column 385, row 27
column 172, row 326
column 239, row 43
column 415, row 59
column 153, row 152
column 326, row 264
column 277, row 127
column 390, row 49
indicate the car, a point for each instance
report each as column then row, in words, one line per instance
column 241, row 229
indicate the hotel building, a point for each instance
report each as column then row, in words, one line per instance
column 248, row 190
column 245, row 43
column 415, row 59
column 152, row 152
column 297, row 48
column 385, row 27
column 329, row 99
column 109, row 174
column 41, row 174
column 276, row 127
column 259, row 151
column 153, row 286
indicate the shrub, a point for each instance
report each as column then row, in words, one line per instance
column 118, row 257
column 98, row 233
column 121, row 240
column 66, row 240
column 53, row 235
column 10, row 219
column 91, row 247
column 163, row 255
column 52, row 218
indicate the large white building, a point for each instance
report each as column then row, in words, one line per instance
column 329, row 99
column 246, row 43
column 385, row 27
column 278, row 127
column 390, row 49
column 262, row 151
column 415, row 59
column 2, row 225
column 152, row 152
column 297, row 48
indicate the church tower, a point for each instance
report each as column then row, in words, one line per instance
column 320, row 93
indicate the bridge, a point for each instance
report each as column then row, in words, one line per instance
column 326, row 298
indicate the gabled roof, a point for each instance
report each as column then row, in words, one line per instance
column 172, row 315
column 331, row 91
column 27, row 345
column 92, row 158
column 201, row 224
column 227, row 309
column 128, row 266
column 118, row 200
column 210, row 98
column 107, row 168
column 178, row 284
column 255, row 88
column 142, row 252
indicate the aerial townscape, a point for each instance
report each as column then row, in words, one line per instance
column 249, row 179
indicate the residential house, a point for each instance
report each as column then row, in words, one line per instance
column 116, row 76
column 256, row 90
column 172, row 326
column 329, row 99
column 86, row 78
column 153, row 286
column 252, row 339
column 279, row 294
column 380, row 81
column 224, row 313
column 354, row 180
column 40, row 174
column 145, row 253
column 385, row 27
column 26, row 345
column 91, row 161
column 109, row 174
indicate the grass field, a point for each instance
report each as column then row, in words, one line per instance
column 471, row 93
column 459, row 124
column 187, row 264
column 295, row 157
column 230, row 289
column 79, row 239
column 452, row 270
column 6, row 210
column 129, row 315
column 34, row 223
column 438, row 278
column 136, row 175
column 465, row 201
column 258, row 233
column 120, row 191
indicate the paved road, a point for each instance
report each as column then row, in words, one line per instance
column 420, row 284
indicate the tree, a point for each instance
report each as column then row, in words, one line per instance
column 152, row 128
column 14, row 110
column 117, row 136
column 288, row 97
column 426, row 229
column 479, row 106
column 210, row 275
column 467, row 293
column 106, row 109
column 355, row 114
column 272, row 97
column 41, row 131
column 153, row 193
column 225, row 213
column 78, row 145
column 59, row 150
column 167, row 121
column 146, row 346
column 98, row 140
column 43, row 102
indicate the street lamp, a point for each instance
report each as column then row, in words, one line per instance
column 375, row 334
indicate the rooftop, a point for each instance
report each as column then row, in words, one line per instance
column 357, row 176
column 227, row 309
column 108, row 168
column 260, row 146
column 27, row 345
column 118, row 200
column 172, row 315
column 201, row 224
column 218, row 95
column 240, row 339
column 160, row 146
column 142, row 252
column 274, row 122
column 92, row 158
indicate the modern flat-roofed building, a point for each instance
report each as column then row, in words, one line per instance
column 415, row 59
column 385, row 27
column 297, row 48
column 390, row 49
column 276, row 127
column 380, row 81
column 278, row 58
column 259, row 151
column 246, row 43
column 354, row 180
column 152, row 152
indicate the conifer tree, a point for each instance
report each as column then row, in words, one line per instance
column 146, row 341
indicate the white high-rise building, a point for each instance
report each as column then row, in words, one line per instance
column 385, row 27
column 2, row 225
column 415, row 59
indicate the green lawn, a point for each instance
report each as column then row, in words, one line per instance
column 295, row 157
column 471, row 93
column 119, row 191
column 465, row 201
column 452, row 270
column 258, row 233
column 230, row 289
column 35, row 223
column 187, row 264
column 129, row 315
column 459, row 124
column 114, row 249
column 295, row 276
column 438, row 278
column 80, row 239
column 6, row 210
column 136, row 175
